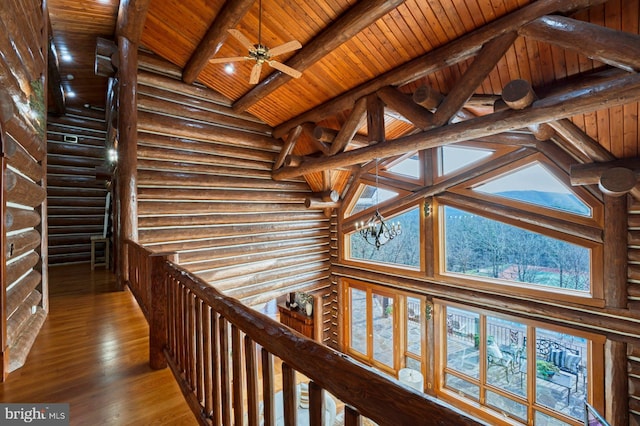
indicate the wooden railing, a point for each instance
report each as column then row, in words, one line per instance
column 211, row 343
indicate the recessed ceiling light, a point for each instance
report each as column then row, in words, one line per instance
column 229, row 68
column 70, row 77
column 66, row 57
column 71, row 94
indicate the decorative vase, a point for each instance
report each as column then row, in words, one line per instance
column 309, row 308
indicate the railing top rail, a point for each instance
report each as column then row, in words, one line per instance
column 373, row 394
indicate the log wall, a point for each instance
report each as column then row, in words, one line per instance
column 76, row 197
column 205, row 191
column 23, row 64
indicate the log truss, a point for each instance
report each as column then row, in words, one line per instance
column 438, row 120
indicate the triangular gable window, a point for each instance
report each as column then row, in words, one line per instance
column 370, row 196
column 457, row 157
column 534, row 184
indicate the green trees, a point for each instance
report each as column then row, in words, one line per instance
column 479, row 246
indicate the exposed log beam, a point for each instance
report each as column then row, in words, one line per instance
column 619, row 92
column 617, row 181
column 428, row 98
column 580, row 140
column 106, row 57
column 231, row 13
column 404, row 105
column 54, row 81
column 375, row 119
column 459, row 50
column 350, row 127
column 518, row 94
column 616, row 48
column 131, row 17
column 483, row 63
column 359, row 17
column 589, row 174
column 327, row 135
column 316, row 204
column 293, row 137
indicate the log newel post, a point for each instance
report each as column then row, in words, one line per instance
column 615, row 251
column 616, row 383
column 158, row 312
column 127, row 147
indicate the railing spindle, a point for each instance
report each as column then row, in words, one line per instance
column 225, row 376
column 269, row 413
column 316, row 405
column 216, row 380
column 252, row 381
column 289, row 395
column 238, row 379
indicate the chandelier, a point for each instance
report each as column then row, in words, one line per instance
column 376, row 231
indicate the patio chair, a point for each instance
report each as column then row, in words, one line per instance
column 495, row 357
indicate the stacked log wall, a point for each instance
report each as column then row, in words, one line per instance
column 23, row 65
column 205, row 191
column 76, row 196
column 633, row 350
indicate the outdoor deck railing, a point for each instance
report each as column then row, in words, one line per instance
column 211, row 343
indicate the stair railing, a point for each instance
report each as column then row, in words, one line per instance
column 222, row 354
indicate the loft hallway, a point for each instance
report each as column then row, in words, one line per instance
column 93, row 353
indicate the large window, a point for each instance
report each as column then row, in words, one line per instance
column 481, row 247
column 401, row 250
column 372, row 326
column 516, row 369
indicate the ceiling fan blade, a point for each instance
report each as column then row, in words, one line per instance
column 241, row 38
column 284, row 48
column 255, row 73
column 232, row 59
column 285, row 69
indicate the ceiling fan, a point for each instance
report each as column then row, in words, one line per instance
column 261, row 53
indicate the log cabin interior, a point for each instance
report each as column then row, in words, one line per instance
column 408, row 209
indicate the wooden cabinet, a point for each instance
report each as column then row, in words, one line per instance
column 297, row 320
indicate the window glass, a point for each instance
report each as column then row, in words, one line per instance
column 402, row 250
column 506, row 355
column 414, row 326
column 358, row 328
column 557, row 371
column 463, row 341
column 560, row 375
column 534, row 184
column 370, row 196
column 408, row 167
column 457, row 157
column 482, row 247
column 383, row 329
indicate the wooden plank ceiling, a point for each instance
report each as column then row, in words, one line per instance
column 335, row 65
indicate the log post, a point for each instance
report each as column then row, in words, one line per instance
column 616, row 383
column 158, row 313
column 127, row 146
column 615, row 250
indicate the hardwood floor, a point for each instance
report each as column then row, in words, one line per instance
column 92, row 353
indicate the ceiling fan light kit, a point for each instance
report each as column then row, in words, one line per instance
column 260, row 53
